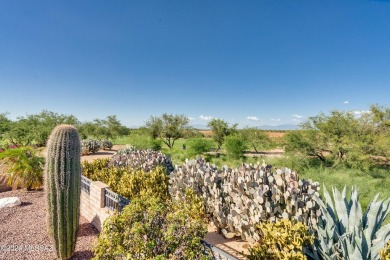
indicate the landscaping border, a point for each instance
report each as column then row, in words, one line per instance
column 98, row 202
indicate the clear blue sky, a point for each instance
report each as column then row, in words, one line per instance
column 247, row 62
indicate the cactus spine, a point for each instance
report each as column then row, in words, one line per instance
column 62, row 185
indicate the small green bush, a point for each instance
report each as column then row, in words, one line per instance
column 198, row 146
column 126, row 181
column 284, row 239
column 156, row 144
column 24, row 166
column 235, row 146
column 153, row 228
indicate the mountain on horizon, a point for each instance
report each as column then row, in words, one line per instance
column 281, row 127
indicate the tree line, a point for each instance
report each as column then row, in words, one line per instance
column 338, row 138
column 34, row 129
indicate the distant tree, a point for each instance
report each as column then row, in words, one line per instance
column 88, row 129
column 108, row 128
column 199, row 146
column 168, row 127
column 221, row 129
column 36, row 128
column 5, row 124
column 256, row 138
column 306, row 143
column 235, row 146
column 115, row 127
column 344, row 138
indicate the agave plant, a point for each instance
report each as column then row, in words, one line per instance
column 345, row 232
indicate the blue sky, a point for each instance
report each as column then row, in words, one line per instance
column 247, row 62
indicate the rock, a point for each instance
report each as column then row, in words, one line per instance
column 9, row 202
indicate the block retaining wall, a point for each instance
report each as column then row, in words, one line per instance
column 92, row 204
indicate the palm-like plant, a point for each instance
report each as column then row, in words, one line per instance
column 345, row 232
column 25, row 167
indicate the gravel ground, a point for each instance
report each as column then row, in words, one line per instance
column 23, row 233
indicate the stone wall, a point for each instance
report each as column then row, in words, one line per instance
column 92, row 204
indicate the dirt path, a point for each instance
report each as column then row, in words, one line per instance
column 102, row 154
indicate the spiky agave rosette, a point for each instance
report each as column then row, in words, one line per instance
column 62, row 186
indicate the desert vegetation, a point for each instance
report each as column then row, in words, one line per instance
column 224, row 176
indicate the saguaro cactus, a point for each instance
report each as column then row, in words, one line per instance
column 62, row 185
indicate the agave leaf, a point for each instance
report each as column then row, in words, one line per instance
column 382, row 236
column 355, row 214
column 344, row 196
column 326, row 219
column 350, row 246
column 385, row 209
column 341, row 209
column 312, row 253
column 365, row 215
column 360, row 242
column 325, row 250
column 344, row 247
column 329, row 203
column 373, row 220
column 356, row 254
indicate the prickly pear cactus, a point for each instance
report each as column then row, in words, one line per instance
column 146, row 160
column 239, row 199
column 105, row 144
column 62, row 186
column 89, row 146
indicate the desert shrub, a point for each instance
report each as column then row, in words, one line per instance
column 257, row 139
column 235, row 146
column 153, row 228
column 105, row 144
column 89, row 146
column 238, row 199
column 126, row 181
column 141, row 140
column 24, row 166
column 198, row 146
column 385, row 252
column 91, row 169
column 146, row 160
column 156, row 144
column 283, row 239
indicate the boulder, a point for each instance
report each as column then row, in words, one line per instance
column 9, row 202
